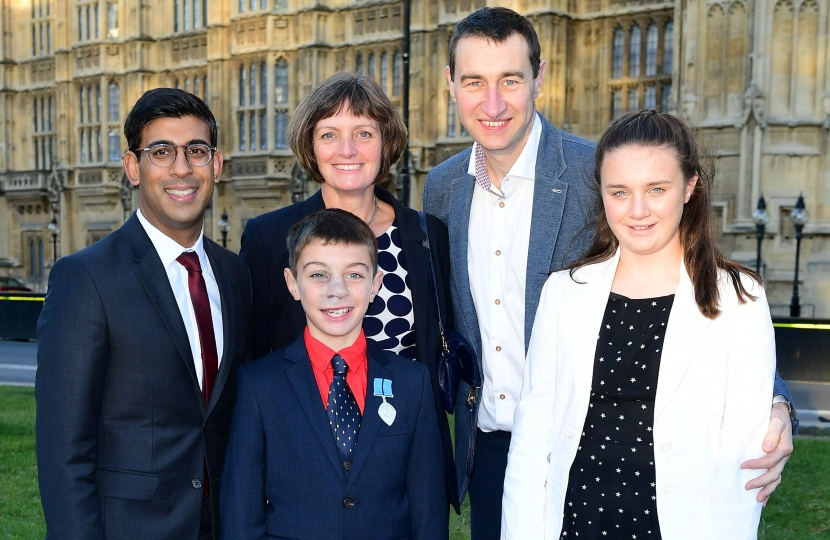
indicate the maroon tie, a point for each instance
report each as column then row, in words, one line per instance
column 204, row 322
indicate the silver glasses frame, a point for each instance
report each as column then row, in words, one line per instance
column 175, row 147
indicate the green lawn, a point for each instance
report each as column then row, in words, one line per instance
column 800, row 509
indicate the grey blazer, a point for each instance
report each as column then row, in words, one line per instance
column 562, row 200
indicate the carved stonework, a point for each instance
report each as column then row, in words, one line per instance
column 87, row 178
column 250, row 167
column 189, row 48
column 88, row 57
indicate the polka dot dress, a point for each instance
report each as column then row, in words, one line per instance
column 611, row 489
column 390, row 322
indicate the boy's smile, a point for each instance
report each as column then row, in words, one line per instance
column 335, row 284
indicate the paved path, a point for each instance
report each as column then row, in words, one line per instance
column 18, row 361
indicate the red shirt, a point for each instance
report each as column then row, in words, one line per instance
column 355, row 357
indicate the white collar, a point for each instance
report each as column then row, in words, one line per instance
column 525, row 166
column 168, row 249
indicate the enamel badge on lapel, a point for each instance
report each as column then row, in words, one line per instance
column 383, row 388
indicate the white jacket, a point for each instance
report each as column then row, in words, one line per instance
column 711, row 410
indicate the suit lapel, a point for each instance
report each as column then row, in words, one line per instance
column 685, row 331
column 228, row 332
column 302, row 380
column 590, row 302
column 549, row 196
column 459, row 229
column 152, row 275
column 370, row 424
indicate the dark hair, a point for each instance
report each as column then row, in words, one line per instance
column 165, row 103
column 698, row 236
column 363, row 97
column 495, row 24
column 331, row 226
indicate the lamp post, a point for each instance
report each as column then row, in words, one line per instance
column 799, row 218
column 224, row 226
column 53, row 226
column 761, row 217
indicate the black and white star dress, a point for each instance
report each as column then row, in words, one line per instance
column 611, row 488
column 390, row 321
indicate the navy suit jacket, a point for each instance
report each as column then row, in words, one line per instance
column 123, row 433
column 283, row 474
column 278, row 319
column 563, row 198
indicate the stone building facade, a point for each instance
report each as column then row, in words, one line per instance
column 752, row 73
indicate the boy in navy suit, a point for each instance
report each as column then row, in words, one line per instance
column 331, row 438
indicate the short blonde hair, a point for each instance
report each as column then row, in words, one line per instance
column 364, row 97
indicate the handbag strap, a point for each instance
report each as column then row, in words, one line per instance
column 422, row 218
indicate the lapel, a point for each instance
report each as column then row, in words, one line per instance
column 587, row 310
column 228, row 320
column 686, row 328
column 301, row 378
column 461, row 195
column 153, row 277
column 549, row 195
column 416, row 256
column 370, row 424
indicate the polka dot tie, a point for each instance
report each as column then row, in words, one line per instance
column 344, row 414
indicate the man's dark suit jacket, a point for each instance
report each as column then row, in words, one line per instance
column 278, row 319
column 283, row 474
column 123, row 433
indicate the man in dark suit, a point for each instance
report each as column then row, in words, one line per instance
column 332, row 437
column 139, row 341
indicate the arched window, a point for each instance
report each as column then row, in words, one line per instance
column 397, row 69
column 281, row 124
column 651, row 50
column 281, row 81
column 384, row 72
column 617, row 54
column 358, row 63
column 187, row 84
column 113, row 103
column 634, row 52
column 370, row 63
column 114, row 142
column 263, row 84
column 252, row 88
column 668, row 47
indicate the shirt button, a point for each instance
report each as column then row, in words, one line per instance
column 498, row 302
column 498, row 348
column 347, row 465
column 502, row 396
column 501, row 204
column 666, row 446
column 348, row 503
column 498, row 252
column 196, row 483
column 668, row 488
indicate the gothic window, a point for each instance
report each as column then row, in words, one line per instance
column 253, row 105
column 189, row 15
column 41, row 28
column 633, row 98
column 668, row 47
column 281, row 104
column 43, row 132
column 114, row 120
column 371, row 65
column 384, row 72
column 650, row 99
column 90, row 124
column 616, row 103
column 617, row 54
column 634, row 52
column 451, row 114
column 281, row 82
column 665, row 97
column 281, row 128
column 397, row 68
column 651, row 50
column 358, row 63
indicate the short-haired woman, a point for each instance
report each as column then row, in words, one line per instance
column 347, row 134
column 650, row 370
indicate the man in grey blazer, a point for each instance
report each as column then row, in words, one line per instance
column 516, row 205
column 138, row 345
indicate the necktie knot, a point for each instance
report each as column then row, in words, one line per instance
column 338, row 365
column 190, row 261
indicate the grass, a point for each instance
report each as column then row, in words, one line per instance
column 799, row 509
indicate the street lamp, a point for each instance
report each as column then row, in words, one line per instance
column 224, row 226
column 53, row 226
column 799, row 218
column 761, row 217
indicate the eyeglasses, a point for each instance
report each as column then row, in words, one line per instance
column 163, row 155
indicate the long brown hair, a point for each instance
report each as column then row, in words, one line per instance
column 698, row 236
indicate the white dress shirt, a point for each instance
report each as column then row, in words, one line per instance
column 497, row 259
column 168, row 250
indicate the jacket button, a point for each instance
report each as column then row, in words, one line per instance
column 206, row 426
column 666, row 446
column 348, row 503
column 197, row 484
column 347, row 465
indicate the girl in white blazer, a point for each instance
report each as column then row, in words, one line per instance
column 654, row 237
